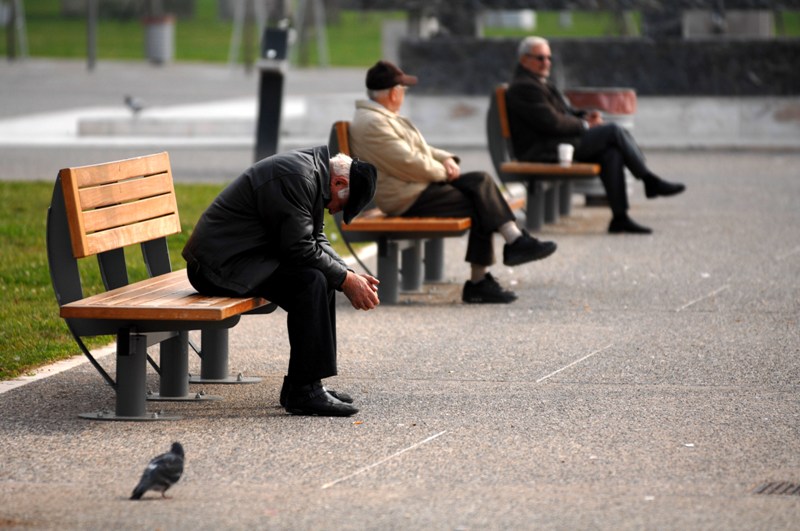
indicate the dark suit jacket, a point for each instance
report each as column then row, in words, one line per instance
column 540, row 118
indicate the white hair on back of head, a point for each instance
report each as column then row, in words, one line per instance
column 375, row 95
column 529, row 43
column 340, row 165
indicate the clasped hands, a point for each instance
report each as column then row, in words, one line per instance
column 361, row 290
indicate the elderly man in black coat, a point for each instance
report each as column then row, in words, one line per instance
column 263, row 235
column 540, row 118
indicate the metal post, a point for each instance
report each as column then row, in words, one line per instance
column 174, row 382
column 91, row 35
column 272, row 64
column 412, row 266
column 131, row 374
column 387, row 271
column 434, row 260
column 214, row 360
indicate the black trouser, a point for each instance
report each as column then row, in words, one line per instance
column 311, row 317
column 473, row 194
column 614, row 149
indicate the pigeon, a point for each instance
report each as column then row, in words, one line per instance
column 134, row 104
column 161, row 473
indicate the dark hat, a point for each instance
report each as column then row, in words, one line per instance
column 362, row 188
column 385, row 75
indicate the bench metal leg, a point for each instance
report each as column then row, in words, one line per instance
column 411, row 269
column 534, row 206
column 388, row 271
column 434, row 260
column 174, row 382
column 551, row 203
column 214, row 360
column 565, row 198
column 131, row 382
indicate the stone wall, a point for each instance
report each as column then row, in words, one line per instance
column 697, row 67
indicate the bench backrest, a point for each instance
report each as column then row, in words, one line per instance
column 498, row 132
column 339, row 141
column 120, row 203
column 101, row 209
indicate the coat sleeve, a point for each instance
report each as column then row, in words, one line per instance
column 531, row 104
column 291, row 213
column 391, row 147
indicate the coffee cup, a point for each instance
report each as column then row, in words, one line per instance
column 565, row 154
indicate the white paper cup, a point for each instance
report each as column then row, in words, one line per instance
column 565, row 154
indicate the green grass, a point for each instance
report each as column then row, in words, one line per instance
column 353, row 40
column 31, row 332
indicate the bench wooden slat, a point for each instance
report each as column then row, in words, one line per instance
column 123, row 236
column 125, row 191
column 129, row 213
column 577, row 169
column 120, row 170
column 168, row 297
column 385, row 223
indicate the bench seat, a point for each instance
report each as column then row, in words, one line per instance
column 168, row 297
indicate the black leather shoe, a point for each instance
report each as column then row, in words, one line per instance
column 344, row 397
column 656, row 186
column 486, row 291
column 526, row 248
column 313, row 399
column 626, row 224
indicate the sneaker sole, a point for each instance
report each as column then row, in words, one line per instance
column 534, row 259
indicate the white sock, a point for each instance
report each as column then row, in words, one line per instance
column 478, row 273
column 510, row 231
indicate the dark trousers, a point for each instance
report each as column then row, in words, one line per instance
column 473, row 194
column 311, row 317
column 614, row 149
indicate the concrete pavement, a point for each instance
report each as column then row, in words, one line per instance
column 640, row 382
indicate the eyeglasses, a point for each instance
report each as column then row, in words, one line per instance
column 541, row 58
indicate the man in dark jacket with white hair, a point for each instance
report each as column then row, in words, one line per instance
column 540, row 118
column 263, row 235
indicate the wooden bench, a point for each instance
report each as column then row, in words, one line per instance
column 401, row 239
column 549, row 185
column 100, row 210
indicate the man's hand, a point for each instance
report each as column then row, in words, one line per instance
column 452, row 169
column 594, row 118
column 361, row 290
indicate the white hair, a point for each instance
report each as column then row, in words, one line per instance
column 374, row 95
column 529, row 43
column 340, row 166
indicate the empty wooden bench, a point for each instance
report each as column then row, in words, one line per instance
column 401, row 239
column 549, row 185
column 100, row 210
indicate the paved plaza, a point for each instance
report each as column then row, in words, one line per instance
column 639, row 382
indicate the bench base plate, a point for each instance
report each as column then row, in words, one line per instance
column 110, row 415
column 191, row 397
column 239, row 379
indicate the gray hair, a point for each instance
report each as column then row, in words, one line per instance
column 375, row 94
column 340, row 165
column 529, row 43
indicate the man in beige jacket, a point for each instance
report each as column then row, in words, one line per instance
column 415, row 179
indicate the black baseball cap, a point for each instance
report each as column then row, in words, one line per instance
column 362, row 188
column 384, row 75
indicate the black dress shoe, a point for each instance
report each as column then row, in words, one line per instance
column 344, row 397
column 486, row 291
column 626, row 224
column 313, row 399
column 525, row 249
column 656, row 186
